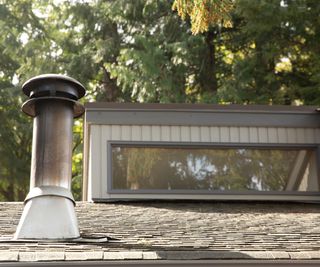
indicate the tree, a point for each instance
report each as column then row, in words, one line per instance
column 141, row 51
column 15, row 149
column 270, row 51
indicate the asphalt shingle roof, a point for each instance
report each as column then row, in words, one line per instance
column 176, row 230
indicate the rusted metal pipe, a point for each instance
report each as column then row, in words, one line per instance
column 49, row 207
column 52, row 144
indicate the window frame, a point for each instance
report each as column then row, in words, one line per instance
column 209, row 194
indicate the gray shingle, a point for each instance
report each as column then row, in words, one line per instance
column 9, row 255
column 27, row 256
column 113, row 256
column 177, row 230
column 75, row 256
column 50, row 256
column 314, row 254
column 150, row 255
column 299, row 255
column 280, row 255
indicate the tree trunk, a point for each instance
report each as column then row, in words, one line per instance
column 208, row 75
column 109, row 86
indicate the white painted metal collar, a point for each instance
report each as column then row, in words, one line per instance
column 49, row 191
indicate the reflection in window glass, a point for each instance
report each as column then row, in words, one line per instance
column 222, row 169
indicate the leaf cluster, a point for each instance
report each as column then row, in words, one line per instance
column 204, row 13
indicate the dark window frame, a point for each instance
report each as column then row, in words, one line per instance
column 149, row 192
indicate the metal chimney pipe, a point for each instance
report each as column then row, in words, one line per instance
column 49, row 207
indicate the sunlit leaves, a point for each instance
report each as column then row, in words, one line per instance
column 204, row 13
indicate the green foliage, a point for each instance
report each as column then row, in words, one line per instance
column 15, row 140
column 141, row 51
column 273, row 47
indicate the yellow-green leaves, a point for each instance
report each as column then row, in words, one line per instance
column 204, row 13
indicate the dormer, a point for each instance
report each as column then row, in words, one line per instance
column 200, row 151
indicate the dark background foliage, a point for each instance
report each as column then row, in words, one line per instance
column 141, row 51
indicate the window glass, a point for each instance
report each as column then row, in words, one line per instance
column 222, row 169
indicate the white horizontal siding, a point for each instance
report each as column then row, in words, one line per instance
column 208, row 134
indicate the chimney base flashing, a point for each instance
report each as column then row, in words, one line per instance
column 49, row 217
column 50, row 190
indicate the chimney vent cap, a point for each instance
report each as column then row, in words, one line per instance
column 30, row 86
column 28, row 107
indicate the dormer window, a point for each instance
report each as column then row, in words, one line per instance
column 211, row 168
column 154, row 151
